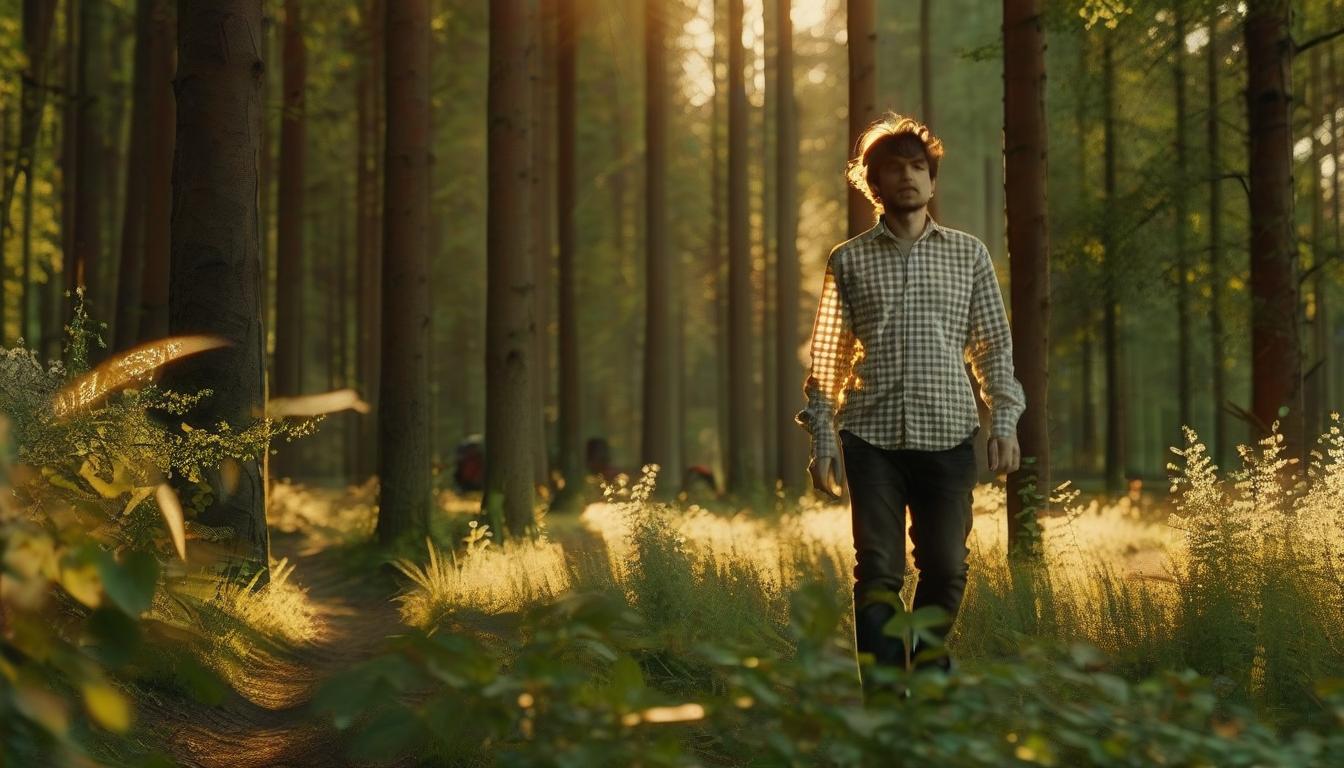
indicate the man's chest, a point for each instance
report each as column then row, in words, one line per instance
column 886, row 290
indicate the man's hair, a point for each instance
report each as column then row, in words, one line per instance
column 893, row 132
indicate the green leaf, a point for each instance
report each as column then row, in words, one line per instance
column 116, row 636
column 395, row 731
column 627, row 680
column 130, row 583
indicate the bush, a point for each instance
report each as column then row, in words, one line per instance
column 88, row 529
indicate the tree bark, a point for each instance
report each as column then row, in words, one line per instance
column 1024, row 141
column 403, row 428
column 26, row 301
column 1337, row 103
column 38, row 18
column 760, row 141
column 542, row 241
column 1116, row 405
column 1276, row 364
column 570, row 425
column 69, row 176
column 266, row 192
column 793, row 447
column 153, row 317
column 216, row 275
column 291, row 274
column 1215, row 171
column 861, row 30
column 1085, row 457
column 660, row 396
column 1317, row 384
column 131, row 273
column 509, row 322
column 91, row 124
column 1181, row 216
column 744, row 476
column 369, row 216
column 718, row 267
column 926, row 76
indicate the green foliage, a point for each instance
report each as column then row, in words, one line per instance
column 83, row 552
column 574, row 695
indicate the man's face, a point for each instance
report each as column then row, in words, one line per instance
column 902, row 181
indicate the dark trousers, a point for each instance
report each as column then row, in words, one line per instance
column 936, row 485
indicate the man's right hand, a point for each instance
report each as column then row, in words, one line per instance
column 822, row 470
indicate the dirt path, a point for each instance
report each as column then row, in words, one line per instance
column 266, row 720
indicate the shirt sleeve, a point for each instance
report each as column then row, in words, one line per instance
column 989, row 349
column 833, row 346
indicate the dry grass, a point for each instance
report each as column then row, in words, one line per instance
column 485, row 578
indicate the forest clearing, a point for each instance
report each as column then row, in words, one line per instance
column 671, row 383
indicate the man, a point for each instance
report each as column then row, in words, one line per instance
column 903, row 307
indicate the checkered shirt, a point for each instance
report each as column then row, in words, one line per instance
column 892, row 337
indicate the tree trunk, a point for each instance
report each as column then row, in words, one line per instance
column 115, row 99
column 926, row 75
column 26, row 301
column 509, row 322
column 861, row 30
column 216, row 265
column 1317, row 384
column 744, row 475
column 765, row 215
column 661, row 445
column 1024, row 142
column 1116, row 405
column 542, row 242
column 290, row 274
column 1085, row 458
column 1215, row 170
column 1337, row 103
column 403, row 428
column 570, row 423
column 1179, row 210
column 1276, row 364
column 6, row 225
column 69, row 174
column 38, row 19
column 91, row 124
column 266, row 193
column 370, row 252
column 793, row 447
column 718, row 266
column 131, row 273
column 161, row 61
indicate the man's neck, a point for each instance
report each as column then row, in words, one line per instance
column 907, row 225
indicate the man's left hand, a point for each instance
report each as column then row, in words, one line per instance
column 1004, row 454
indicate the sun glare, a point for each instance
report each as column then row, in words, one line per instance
column 697, row 43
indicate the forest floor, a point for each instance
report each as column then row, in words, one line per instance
column 266, row 719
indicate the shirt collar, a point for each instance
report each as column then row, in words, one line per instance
column 880, row 228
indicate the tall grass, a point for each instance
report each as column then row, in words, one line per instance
column 485, row 578
column 1238, row 578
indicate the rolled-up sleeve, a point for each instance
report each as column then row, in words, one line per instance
column 989, row 349
column 833, row 346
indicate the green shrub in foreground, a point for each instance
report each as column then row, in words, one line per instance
column 574, row 695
